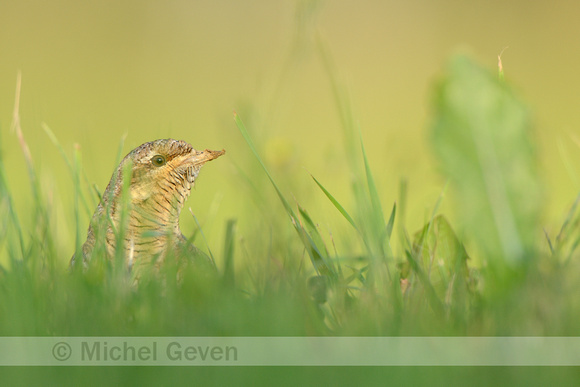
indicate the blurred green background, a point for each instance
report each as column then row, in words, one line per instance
column 94, row 71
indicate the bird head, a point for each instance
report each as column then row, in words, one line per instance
column 168, row 167
column 152, row 182
column 162, row 174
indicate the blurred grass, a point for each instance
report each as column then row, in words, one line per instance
column 289, row 277
column 284, row 270
column 301, row 284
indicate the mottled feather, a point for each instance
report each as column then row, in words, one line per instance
column 162, row 175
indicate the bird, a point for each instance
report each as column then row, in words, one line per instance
column 139, row 210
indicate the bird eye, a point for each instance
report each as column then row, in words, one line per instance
column 158, row 160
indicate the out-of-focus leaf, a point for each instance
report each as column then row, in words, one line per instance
column 481, row 135
column 442, row 256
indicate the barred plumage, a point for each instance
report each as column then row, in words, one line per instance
column 162, row 175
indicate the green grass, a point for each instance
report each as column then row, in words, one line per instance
column 293, row 281
column 427, row 285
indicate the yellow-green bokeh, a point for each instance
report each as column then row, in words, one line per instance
column 94, row 71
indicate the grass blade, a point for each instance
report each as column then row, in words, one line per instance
column 316, row 257
column 228, row 276
column 246, row 135
column 336, row 204
column 372, row 187
column 391, row 222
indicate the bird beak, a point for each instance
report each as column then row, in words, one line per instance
column 202, row 157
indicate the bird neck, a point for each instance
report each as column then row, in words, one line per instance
column 159, row 214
